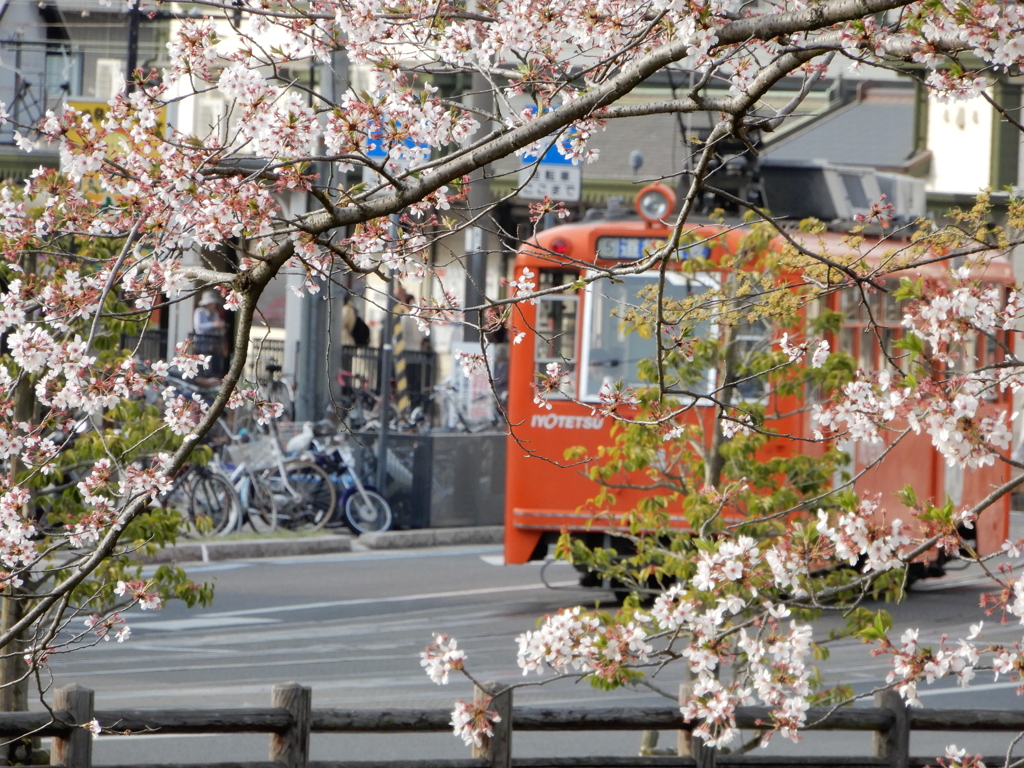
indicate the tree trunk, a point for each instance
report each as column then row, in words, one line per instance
column 14, row 679
column 14, row 683
column 13, row 694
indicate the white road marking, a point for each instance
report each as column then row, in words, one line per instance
column 403, row 554
column 213, row 567
column 260, row 641
column 291, row 662
column 333, row 557
column 936, row 585
column 964, row 691
column 499, row 560
column 201, row 622
column 380, row 600
column 156, row 647
column 137, row 736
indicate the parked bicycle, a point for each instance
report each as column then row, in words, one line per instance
column 206, row 500
column 366, row 511
column 361, row 405
column 453, row 407
column 272, row 387
column 361, row 507
column 275, row 490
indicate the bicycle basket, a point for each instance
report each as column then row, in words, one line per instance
column 259, row 453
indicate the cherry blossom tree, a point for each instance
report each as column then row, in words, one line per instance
column 537, row 70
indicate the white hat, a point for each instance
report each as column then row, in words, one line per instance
column 209, row 297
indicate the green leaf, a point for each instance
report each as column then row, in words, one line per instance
column 908, row 289
column 907, row 496
column 911, row 342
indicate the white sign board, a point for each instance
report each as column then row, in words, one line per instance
column 470, row 399
column 555, row 177
column 563, row 183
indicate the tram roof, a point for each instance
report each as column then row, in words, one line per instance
column 873, row 252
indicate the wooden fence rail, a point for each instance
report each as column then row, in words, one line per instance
column 291, row 720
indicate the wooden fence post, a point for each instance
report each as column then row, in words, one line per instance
column 688, row 745
column 497, row 750
column 291, row 747
column 704, row 755
column 75, row 749
column 894, row 744
column 684, row 739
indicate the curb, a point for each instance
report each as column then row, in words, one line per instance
column 433, row 537
column 210, row 551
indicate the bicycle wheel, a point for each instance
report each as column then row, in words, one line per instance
column 306, row 502
column 179, row 499
column 367, row 512
column 213, row 504
column 261, row 506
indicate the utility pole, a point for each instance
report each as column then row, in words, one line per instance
column 481, row 100
column 476, row 270
column 134, row 15
column 311, row 361
column 312, row 366
column 386, row 359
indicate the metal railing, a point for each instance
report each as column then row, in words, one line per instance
column 364, row 362
column 151, row 344
column 263, row 352
column 290, row 721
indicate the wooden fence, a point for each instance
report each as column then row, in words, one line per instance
column 291, row 719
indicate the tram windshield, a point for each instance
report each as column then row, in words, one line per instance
column 556, row 328
column 613, row 349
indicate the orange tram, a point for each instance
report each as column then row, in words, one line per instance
column 576, row 329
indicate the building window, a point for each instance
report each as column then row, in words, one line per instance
column 109, row 78
column 63, row 74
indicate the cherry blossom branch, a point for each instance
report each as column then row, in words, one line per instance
column 129, row 243
column 761, row 28
column 108, row 543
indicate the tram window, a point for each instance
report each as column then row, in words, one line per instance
column 556, row 327
column 886, row 309
column 989, row 353
column 889, row 336
column 974, row 352
column 850, row 305
column 864, row 335
column 750, row 339
column 611, row 352
column 858, row 341
column 966, row 354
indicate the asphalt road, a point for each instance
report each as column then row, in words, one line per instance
column 351, row 626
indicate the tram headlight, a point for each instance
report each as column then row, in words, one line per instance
column 655, row 202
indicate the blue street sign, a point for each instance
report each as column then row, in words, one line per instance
column 375, row 146
column 555, row 176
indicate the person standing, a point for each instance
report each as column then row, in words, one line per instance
column 209, row 337
column 348, row 323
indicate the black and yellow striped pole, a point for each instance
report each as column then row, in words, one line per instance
column 402, row 399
